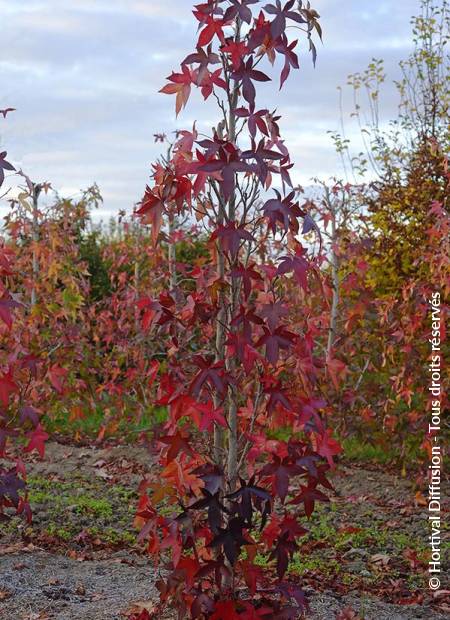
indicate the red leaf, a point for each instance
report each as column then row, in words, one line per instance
column 7, row 387
column 225, row 610
column 177, row 443
column 37, row 441
column 4, row 165
column 151, row 210
column 328, row 447
column 56, row 374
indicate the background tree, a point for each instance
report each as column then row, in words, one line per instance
column 399, row 250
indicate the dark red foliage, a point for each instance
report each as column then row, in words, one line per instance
column 230, row 376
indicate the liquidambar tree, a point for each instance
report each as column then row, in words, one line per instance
column 245, row 449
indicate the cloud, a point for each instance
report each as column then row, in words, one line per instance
column 84, row 76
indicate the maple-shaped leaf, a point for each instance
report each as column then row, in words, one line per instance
column 30, row 362
column 212, row 476
column 7, row 305
column 273, row 313
column 225, row 610
column 278, row 25
column 253, row 574
column 212, row 374
column 262, row 156
column 320, row 476
column 177, row 443
column 6, row 255
column 277, row 396
column 37, row 438
column 182, row 477
column 283, row 169
column 308, row 224
column 7, row 387
column 239, row 347
column 289, row 591
column 296, row 264
column 10, row 485
column 247, row 273
column 179, row 190
column 275, row 340
column 180, row 86
column 213, row 27
column 189, row 568
column 337, row 370
column 56, row 374
column 283, row 552
column 231, row 236
column 203, row 58
column 246, row 75
column 245, row 319
column 151, row 210
column 291, row 59
column 205, row 415
column 197, row 167
column 256, row 613
column 211, row 417
column 236, row 50
column 228, row 162
column 251, row 495
column 4, row 165
column 240, row 8
column 215, row 508
column 328, row 447
column 209, row 80
column 308, row 496
column 292, row 527
column 231, row 539
column 218, row 567
column 156, row 311
column 255, row 120
column 29, row 413
column 281, row 210
column 273, row 126
column 281, row 470
column 310, row 419
column 202, row 606
column 260, row 37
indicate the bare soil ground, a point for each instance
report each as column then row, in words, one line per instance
column 79, row 559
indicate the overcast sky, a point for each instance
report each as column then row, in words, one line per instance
column 84, row 76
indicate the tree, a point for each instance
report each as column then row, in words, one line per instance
column 396, row 254
column 19, row 420
column 229, row 349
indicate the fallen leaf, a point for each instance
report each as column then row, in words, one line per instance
column 380, row 558
column 20, row 566
column 420, row 499
column 80, row 589
column 102, row 473
column 99, row 463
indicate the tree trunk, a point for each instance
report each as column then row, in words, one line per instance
column 335, row 278
column 172, row 255
column 35, row 239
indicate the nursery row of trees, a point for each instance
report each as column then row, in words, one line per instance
column 251, row 328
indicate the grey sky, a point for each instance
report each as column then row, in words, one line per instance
column 84, row 76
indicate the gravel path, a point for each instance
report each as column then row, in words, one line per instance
column 42, row 586
column 357, row 556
